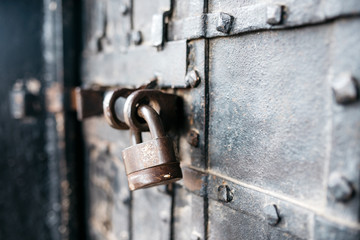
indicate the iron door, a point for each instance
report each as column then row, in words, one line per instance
column 270, row 141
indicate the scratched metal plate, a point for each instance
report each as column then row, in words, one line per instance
column 151, row 213
column 270, row 113
column 109, row 197
column 274, row 123
column 226, row 223
column 188, row 215
column 268, row 124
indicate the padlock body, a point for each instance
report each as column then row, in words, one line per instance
column 151, row 163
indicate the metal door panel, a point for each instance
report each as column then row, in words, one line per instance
column 345, row 135
column 194, row 109
column 143, row 11
column 226, row 223
column 267, row 128
column 152, row 214
column 267, row 104
column 264, row 114
column 294, row 218
column 324, row 229
column 109, row 197
column 268, row 148
column 188, row 215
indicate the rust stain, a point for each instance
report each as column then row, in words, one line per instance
column 193, row 180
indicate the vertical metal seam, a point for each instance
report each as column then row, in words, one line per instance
column 131, row 12
column 172, row 212
column 56, row 156
column 76, row 168
column 130, row 219
column 206, row 130
column 206, row 133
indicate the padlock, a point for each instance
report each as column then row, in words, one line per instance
column 153, row 162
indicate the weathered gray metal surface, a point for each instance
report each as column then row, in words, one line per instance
column 271, row 123
column 345, row 147
column 121, row 67
column 152, row 213
column 324, row 229
column 279, row 116
column 249, row 16
column 109, row 197
column 226, row 223
column 188, row 215
column 268, row 152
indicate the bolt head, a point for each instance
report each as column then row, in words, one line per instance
column 136, row 37
column 104, row 44
column 192, row 79
column 224, row 23
column 195, row 236
column 274, row 14
column 124, row 9
column 345, row 88
column 225, row 194
column 340, row 188
column 193, row 138
column 271, row 215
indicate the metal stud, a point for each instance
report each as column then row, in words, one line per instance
column 193, row 138
column 136, row 37
column 274, row 14
column 345, row 88
column 224, row 23
column 340, row 188
column 225, row 194
column 271, row 215
column 192, row 79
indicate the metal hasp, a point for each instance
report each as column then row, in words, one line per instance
column 87, row 102
column 26, row 102
column 166, row 105
column 153, row 162
column 109, row 107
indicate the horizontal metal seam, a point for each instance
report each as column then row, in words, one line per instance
column 207, row 35
column 341, row 222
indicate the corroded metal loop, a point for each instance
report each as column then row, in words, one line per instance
column 136, row 137
column 165, row 105
column 109, row 107
column 153, row 120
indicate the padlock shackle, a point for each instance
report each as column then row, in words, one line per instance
column 166, row 105
column 136, row 137
column 109, row 107
column 153, row 120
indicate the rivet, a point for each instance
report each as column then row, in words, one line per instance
column 225, row 194
column 192, row 79
column 103, row 44
column 271, row 214
column 224, row 23
column 340, row 188
column 274, row 14
column 136, row 37
column 124, row 9
column 193, row 138
column 345, row 88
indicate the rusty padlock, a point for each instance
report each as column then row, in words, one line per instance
column 152, row 162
